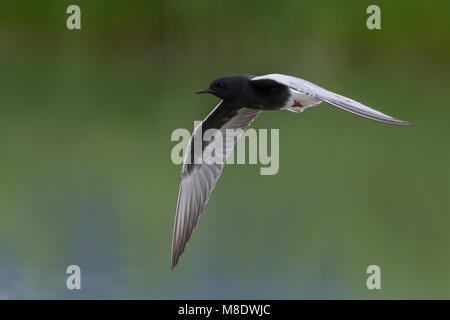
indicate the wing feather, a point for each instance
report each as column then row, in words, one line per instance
column 199, row 179
column 321, row 94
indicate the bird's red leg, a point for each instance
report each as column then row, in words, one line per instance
column 297, row 104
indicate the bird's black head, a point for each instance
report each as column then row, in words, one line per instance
column 227, row 88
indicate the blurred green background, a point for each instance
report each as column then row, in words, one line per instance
column 86, row 176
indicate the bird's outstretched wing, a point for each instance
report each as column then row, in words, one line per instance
column 318, row 94
column 199, row 179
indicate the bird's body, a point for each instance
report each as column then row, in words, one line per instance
column 243, row 98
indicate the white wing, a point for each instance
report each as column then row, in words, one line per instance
column 198, row 180
column 319, row 94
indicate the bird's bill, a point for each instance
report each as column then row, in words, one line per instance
column 206, row 90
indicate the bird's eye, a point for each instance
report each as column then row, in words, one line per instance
column 219, row 84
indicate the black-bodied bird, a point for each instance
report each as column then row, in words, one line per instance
column 243, row 98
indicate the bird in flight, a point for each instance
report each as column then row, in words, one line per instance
column 243, row 98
